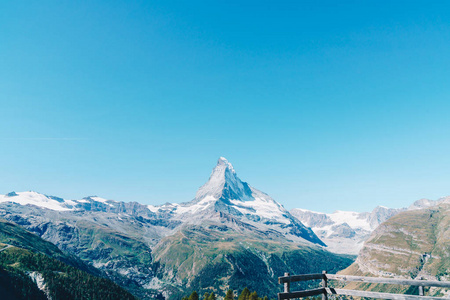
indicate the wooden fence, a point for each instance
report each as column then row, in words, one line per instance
column 325, row 290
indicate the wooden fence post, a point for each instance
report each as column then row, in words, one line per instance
column 287, row 284
column 324, row 285
column 421, row 288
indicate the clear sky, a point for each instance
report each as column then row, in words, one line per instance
column 323, row 105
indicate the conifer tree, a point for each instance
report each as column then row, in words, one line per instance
column 212, row 296
column 193, row 296
column 245, row 294
column 253, row 296
column 229, row 295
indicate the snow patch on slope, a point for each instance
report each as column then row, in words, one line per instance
column 34, row 198
column 354, row 219
column 197, row 206
column 49, row 202
column 261, row 207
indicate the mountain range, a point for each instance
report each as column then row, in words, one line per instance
column 344, row 231
column 231, row 235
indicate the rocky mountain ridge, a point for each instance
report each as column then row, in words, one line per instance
column 344, row 231
column 426, row 203
column 412, row 244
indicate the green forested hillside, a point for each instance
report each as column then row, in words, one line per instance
column 15, row 235
column 60, row 281
column 31, row 268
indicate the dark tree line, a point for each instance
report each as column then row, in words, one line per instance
column 245, row 295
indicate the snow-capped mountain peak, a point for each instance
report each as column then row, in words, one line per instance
column 224, row 183
column 425, row 203
column 225, row 199
column 222, row 161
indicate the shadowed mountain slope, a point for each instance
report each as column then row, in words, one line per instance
column 31, row 268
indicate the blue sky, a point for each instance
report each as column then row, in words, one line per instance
column 323, row 105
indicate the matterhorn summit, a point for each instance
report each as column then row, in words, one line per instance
column 225, row 192
column 226, row 199
column 224, row 183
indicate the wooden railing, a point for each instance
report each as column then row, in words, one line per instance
column 325, row 290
